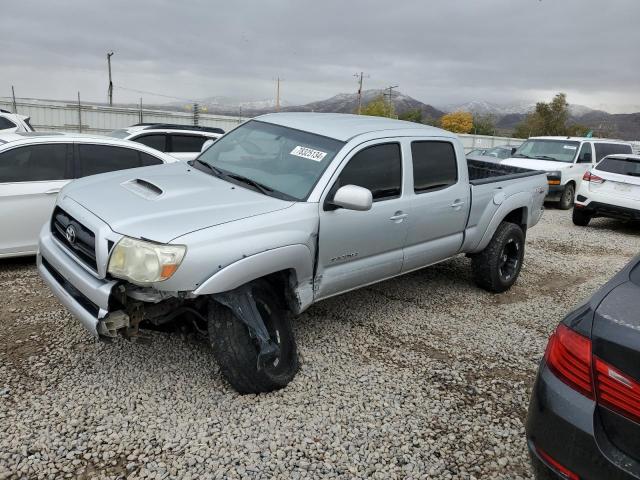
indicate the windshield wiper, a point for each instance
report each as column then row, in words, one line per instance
column 216, row 171
column 521, row 155
column 257, row 185
column 547, row 157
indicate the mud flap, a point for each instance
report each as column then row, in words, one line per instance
column 243, row 305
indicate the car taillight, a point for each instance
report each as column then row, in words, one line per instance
column 590, row 177
column 568, row 356
column 617, row 391
column 557, row 466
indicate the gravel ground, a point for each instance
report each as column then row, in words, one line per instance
column 423, row 376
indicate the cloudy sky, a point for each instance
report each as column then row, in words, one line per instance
column 438, row 51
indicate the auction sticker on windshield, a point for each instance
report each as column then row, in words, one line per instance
column 309, row 153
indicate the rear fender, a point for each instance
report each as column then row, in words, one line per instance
column 514, row 202
column 297, row 258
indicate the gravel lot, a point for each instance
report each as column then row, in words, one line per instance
column 423, row 376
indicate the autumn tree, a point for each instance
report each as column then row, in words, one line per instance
column 378, row 107
column 457, row 122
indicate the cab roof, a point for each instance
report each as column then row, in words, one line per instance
column 580, row 139
column 344, row 127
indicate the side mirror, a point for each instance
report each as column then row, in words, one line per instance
column 513, row 150
column 206, row 145
column 353, row 197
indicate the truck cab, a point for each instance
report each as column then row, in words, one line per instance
column 565, row 159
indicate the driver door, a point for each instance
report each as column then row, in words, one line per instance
column 357, row 248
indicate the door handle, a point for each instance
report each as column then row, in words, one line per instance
column 52, row 191
column 457, row 204
column 398, row 216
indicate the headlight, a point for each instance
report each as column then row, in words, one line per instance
column 145, row 262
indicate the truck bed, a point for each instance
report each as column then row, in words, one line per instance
column 487, row 172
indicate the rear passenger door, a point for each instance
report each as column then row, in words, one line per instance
column 30, row 178
column 357, row 248
column 185, row 147
column 438, row 203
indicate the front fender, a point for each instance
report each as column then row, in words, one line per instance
column 295, row 257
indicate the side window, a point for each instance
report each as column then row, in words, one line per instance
column 34, row 163
column 147, row 160
column 434, row 165
column 186, row 143
column 378, row 168
column 584, row 150
column 96, row 159
column 604, row 149
column 156, row 141
column 6, row 123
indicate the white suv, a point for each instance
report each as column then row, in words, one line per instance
column 184, row 142
column 13, row 123
column 610, row 189
column 565, row 159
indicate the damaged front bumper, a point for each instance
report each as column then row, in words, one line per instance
column 85, row 296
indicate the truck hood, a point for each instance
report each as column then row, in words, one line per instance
column 533, row 164
column 166, row 201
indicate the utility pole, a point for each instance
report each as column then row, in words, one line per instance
column 388, row 95
column 196, row 113
column 278, row 94
column 110, row 91
column 13, row 94
column 79, row 114
column 141, row 119
column 360, row 76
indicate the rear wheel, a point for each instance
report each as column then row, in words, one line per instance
column 497, row 267
column 580, row 217
column 237, row 352
column 567, row 199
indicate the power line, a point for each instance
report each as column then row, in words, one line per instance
column 190, row 100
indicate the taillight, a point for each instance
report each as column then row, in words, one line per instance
column 568, row 356
column 590, row 177
column 616, row 390
column 557, row 466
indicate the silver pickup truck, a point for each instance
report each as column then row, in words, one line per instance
column 281, row 212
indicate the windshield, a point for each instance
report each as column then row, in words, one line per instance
column 499, row 152
column 558, row 150
column 119, row 133
column 282, row 159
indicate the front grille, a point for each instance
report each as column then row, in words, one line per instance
column 75, row 236
column 71, row 290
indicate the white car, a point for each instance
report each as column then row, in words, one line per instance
column 185, row 142
column 13, row 123
column 610, row 189
column 565, row 159
column 35, row 166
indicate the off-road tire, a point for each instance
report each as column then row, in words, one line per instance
column 568, row 197
column 237, row 353
column 580, row 217
column 486, row 265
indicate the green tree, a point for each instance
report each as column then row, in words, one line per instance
column 414, row 115
column 547, row 119
column 484, row 125
column 378, row 107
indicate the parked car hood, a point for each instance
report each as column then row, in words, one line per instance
column 164, row 202
column 534, row 164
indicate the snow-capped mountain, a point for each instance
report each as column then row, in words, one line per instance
column 498, row 110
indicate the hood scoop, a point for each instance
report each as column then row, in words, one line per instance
column 143, row 188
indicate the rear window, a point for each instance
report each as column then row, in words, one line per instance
column 96, row 159
column 6, row 123
column 187, row 143
column 434, row 165
column 156, row 141
column 604, row 149
column 621, row 166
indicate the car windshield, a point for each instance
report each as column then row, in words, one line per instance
column 282, row 161
column 122, row 133
column 557, row 150
column 499, row 152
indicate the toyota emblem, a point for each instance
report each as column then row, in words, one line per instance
column 70, row 234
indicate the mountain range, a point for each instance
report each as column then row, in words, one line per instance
column 506, row 116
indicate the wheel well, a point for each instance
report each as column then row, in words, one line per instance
column 284, row 283
column 519, row 217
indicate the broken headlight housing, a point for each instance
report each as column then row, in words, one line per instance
column 144, row 262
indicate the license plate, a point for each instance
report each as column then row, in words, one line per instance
column 621, row 187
